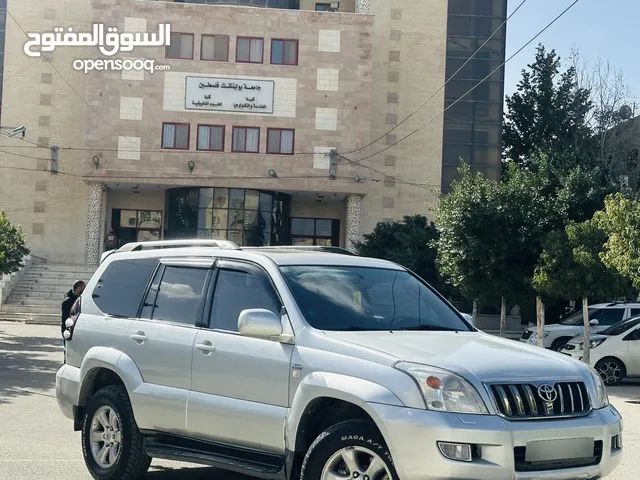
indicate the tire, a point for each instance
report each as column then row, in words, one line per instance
column 357, row 440
column 611, row 370
column 558, row 343
column 126, row 462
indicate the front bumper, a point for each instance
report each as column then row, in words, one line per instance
column 67, row 389
column 412, row 437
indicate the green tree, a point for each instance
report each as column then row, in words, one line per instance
column 570, row 267
column 620, row 220
column 12, row 246
column 549, row 113
column 490, row 234
column 409, row 243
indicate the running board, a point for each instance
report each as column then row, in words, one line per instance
column 249, row 462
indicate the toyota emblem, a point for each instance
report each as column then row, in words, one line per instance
column 547, row 393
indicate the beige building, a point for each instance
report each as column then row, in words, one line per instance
column 231, row 136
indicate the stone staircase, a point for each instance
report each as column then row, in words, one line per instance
column 37, row 296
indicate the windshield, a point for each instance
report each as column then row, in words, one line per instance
column 621, row 327
column 355, row 298
column 576, row 318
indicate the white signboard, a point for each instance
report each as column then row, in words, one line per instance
column 229, row 94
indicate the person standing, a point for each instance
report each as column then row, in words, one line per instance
column 111, row 242
column 69, row 299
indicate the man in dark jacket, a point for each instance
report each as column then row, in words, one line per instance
column 69, row 299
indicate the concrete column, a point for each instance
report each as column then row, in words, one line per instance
column 354, row 209
column 363, row 6
column 94, row 224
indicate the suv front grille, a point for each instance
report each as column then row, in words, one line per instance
column 527, row 334
column 542, row 400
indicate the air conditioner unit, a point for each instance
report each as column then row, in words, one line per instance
column 335, row 5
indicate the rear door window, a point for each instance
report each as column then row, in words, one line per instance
column 122, row 286
column 179, row 295
column 609, row 316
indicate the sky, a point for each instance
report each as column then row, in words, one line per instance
column 605, row 29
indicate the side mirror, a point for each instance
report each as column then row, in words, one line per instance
column 594, row 323
column 259, row 323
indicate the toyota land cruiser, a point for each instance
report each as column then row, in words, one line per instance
column 291, row 364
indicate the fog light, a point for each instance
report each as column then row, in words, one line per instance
column 456, row 451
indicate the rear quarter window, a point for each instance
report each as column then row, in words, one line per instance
column 122, row 286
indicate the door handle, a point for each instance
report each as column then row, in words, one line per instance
column 139, row 337
column 206, row 347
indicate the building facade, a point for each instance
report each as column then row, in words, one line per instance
column 270, row 122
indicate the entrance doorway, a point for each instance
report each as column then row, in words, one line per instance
column 136, row 225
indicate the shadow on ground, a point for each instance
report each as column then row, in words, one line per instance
column 28, row 365
column 164, row 473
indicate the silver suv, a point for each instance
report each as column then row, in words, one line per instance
column 295, row 364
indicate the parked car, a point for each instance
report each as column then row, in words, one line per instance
column 601, row 316
column 309, row 365
column 615, row 352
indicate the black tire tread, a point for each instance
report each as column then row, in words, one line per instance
column 357, row 423
column 138, row 461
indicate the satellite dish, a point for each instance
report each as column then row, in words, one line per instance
column 625, row 112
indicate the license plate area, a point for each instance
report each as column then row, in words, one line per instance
column 553, row 450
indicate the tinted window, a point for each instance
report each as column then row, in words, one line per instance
column 609, row 316
column 621, row 327
column 635, row 311
column 121, row 287
column 237, row 291
column 353, row 298
column 180, row 295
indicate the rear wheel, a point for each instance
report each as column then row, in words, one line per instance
column 111, row 441
column 611, row 370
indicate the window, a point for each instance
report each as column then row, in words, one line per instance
column 608, row 316
column 179, row 295
column 214, row 48
column 238, row 290
column 315, row 231
column 181, row 46
column 249, row 50
column 175, row 136
column 280, row 141
column 210, row 137
column 342, row 298
column 245, row 140
column 122, row 285
column 284, row 52
column 635, row 312
column 323, row 7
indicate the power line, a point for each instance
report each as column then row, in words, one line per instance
column 443, row 85
column 396, row 179
column 68, row 84
column 360, row 160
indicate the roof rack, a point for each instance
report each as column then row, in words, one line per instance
column 310, row 248
column 137, row 246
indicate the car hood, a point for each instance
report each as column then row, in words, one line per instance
column 483, row 356
column 580, row 338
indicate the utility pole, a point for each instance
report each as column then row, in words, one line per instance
column 333, row 163
column 54, row 159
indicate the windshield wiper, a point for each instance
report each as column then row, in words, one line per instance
column 430, row 328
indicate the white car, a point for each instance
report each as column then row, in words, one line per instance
column 615, row 352
column 601, row 317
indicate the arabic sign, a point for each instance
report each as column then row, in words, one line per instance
column 109, row 44
column 229, row 95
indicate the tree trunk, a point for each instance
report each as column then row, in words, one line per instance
column 540, row 321
column 474, row 312
column 587, row 329
column 503, row 316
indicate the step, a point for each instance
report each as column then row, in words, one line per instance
column 50, row 294
column 22, row 289
column 29, row 309
column 41, row 319
column 35, row 301
column 61, row 275
column 62, row 268
column 65, row 283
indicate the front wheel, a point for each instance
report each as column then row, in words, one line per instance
column 611, row 370
column 349, row 450
column 111, row 441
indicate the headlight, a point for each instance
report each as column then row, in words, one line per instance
column 601, row 399
column 593, row 343
column 444, row 391
column 546, row 334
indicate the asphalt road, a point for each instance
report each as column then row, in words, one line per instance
column 38, row 443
